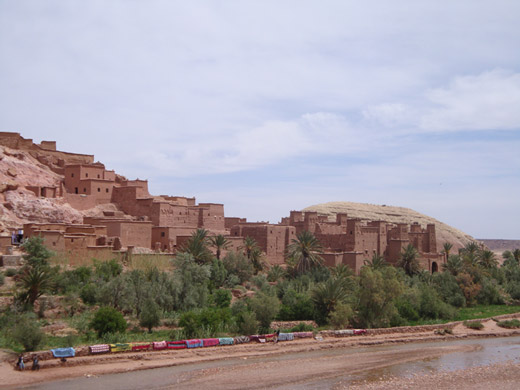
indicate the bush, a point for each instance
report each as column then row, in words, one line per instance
column 265, row 307
column 509, row 324
column 302, row 327
column 239, row 265
column 248, row 323
column 10, row 272
column 150, row 315
column 28, row 333
column 489, row 294
column 2, row 279
column 89, row 294
column 108, row 269
column 475, row 325
column 222, row 298
column 206, row 322
column 296, row 306
column 108, row 320
column 339, row 318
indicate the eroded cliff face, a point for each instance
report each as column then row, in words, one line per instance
column 393, row 214
column 18, row 205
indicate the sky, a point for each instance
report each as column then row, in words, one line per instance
column 271, row 106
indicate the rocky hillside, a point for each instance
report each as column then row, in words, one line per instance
column 393, row 214
column 18, row 205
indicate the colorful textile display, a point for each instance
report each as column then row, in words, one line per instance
column 99, row 348
column 120, row 347
column 63, row 352
column 210, row 342
column 226, row 341
column 285, row 337
column 176, row 344
column 194, row 343
column 303, row 334
column 159, row 345
column 359, row 331
column 344, row 332
column 140, row 346
column 262, row 338
column 241, row 339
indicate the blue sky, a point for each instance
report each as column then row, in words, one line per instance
column 270, row 106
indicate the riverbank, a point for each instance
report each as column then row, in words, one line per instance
column 95, row 365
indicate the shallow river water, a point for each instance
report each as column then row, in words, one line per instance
column 487, row 351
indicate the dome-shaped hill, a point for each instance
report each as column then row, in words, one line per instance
column 393, row 214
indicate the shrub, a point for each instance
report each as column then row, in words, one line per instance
column 238, row 264
column 206, row 322
column 265, row 307
column 296, row 306
column 248, row 323
column 10, row 272
column 275, row 273
column 489, row 294
column 2, row 279
column 509, row 324
column 302, row 327
column 222, row 298
column 443, row 331
column 89, row 294
column 150, row 315
column 108, row 320
column 108, row 269
column 475, row 325
column 28, row 333
column 340, row 317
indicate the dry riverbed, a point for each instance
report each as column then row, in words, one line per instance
column 287, row 365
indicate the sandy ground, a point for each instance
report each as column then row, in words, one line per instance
column 254, row 375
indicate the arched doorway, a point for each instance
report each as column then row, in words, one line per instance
column 435, row 267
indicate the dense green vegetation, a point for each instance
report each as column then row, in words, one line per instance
column 233, row 292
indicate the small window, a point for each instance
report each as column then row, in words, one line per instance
column 107, row 190
column 351, row 232
column 98, row 176
column 72, row 175
column 76, row 190
column 163, row 234
column 84, row 190
column 99, row 189
column 86, row 174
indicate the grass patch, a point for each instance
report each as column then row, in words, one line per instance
column 475, row 325
column 485, row 311
column 509, row 324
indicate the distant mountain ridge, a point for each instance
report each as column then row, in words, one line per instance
column 393, row 214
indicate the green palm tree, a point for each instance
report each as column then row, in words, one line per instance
column 377, row 262
column 409, row 261
column 330, row 293
column 516, row 255
column 305, row 250
column 197, row 246
column 249, row 246
column 220, row 243
column 454, row 265
column 35, row 281
column 447, row 248
column 487, row 259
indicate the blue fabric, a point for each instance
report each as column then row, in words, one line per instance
column 63, row 352
column 285, row 337
column 226, row 341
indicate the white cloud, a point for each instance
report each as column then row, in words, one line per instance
column 488, row 101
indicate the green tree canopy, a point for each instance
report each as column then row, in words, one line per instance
column 304, row 251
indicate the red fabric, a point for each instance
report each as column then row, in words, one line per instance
column 159, row 345
column 210, row 342
column 176, row 344
column 140, row 347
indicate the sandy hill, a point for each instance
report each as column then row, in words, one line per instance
column 393, row 214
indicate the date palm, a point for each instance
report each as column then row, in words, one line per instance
column 305, row 250
column 487, row 259
column 35, row 281
column 377, row 262
column 409, row 261
column 220, row 243
column 197, row 246
column 447, row 248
